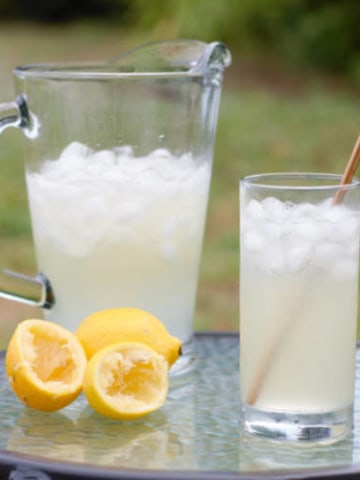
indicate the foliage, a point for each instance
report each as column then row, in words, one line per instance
column 320, row 33
column 60, row 10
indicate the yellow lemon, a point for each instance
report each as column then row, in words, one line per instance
column 126, row 380
column 45, row 364
column 127, row 325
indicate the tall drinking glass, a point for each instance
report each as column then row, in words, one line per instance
column 298, row 305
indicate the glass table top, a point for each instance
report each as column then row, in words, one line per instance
column 196, row 435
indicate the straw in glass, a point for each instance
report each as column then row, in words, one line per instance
column 271, row 352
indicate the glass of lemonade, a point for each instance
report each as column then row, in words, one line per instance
column 298, row 305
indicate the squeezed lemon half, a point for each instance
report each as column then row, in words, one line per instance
column 120, row 358
column 126, row 380
column 106, row 327
column 45, row 364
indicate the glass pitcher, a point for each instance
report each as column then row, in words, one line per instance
column 118, row 163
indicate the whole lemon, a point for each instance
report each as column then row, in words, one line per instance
column 116, row 325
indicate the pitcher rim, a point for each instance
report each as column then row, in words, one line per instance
column 177, row 58
column 77, row 71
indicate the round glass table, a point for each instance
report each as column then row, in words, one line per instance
column 196, row 435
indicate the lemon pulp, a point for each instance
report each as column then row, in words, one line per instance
column 126, row 380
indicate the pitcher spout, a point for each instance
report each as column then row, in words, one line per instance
column 193, row 56
column 216, row 57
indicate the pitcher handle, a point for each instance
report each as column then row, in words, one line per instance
column 14, row 114
column 46, row 298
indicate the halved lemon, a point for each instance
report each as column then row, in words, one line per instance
column 45, row 364
column 126, row 380
column 115, row 325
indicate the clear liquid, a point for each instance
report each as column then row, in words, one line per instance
column 114, row 230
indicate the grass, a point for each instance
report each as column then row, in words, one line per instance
column 260, row 128
column 260, row 131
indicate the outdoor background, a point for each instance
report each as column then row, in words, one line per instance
column 290, row 102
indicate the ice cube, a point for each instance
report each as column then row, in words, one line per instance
column 125, row 151
column 93, row 209
column 272, row 259
column 305, row 210
column 275, row 209
column 254, row 210
column 326, row 253
column 253, row 240
column 306, row 230
column 298, row 255
column 103, row 158
column 336, row 214
column 160, row 153
column 346, row 231
column 74, row 149
column 273, row 231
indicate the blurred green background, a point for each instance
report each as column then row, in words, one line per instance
column 290, row 102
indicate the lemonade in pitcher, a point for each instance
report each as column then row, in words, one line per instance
column 112, row 229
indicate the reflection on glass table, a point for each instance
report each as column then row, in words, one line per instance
column 196, row 434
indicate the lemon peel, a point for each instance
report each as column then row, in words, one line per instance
column 114, row 325
column 45, row 364
column 126, row 380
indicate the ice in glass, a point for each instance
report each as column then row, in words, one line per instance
column 298, row 306
column 112, row 229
